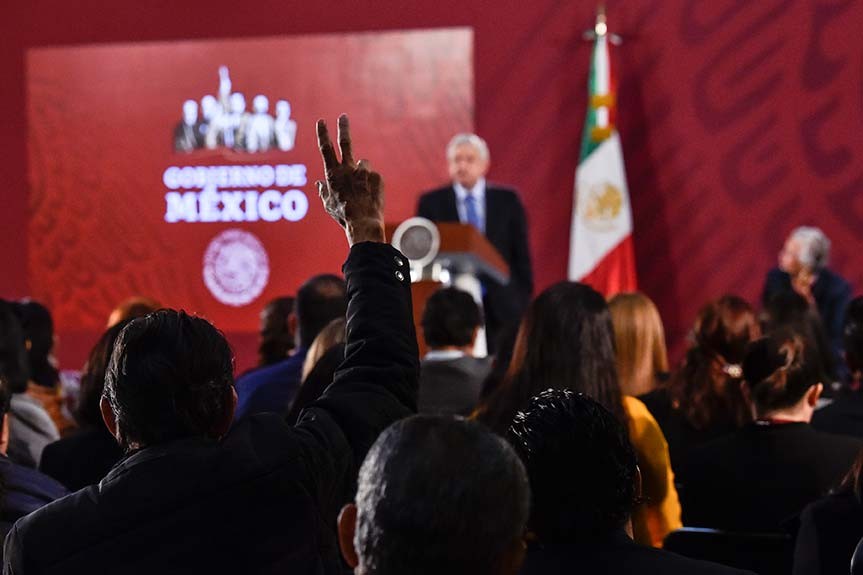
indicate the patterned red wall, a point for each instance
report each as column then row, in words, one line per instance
column 739, row 119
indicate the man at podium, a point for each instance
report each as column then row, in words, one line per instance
column 495, row 211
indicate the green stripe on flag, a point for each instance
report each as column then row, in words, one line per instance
column 588, row 145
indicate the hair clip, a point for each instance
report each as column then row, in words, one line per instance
column 733, row 370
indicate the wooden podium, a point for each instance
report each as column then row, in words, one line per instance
column 463, row 255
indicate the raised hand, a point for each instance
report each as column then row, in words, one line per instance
column 352, row 193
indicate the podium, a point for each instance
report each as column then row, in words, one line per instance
column 446, row 254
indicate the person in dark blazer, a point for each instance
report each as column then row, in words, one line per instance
column 803, row 269
column 585, row 484
column 831, row 527
column 195, row 497
column 451, row 377
column 760, row 478
column 498, row 213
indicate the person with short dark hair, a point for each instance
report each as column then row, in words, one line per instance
column 845, row 414
column 450, row 376
column 585, row 484
column 760, row 477
column 320, row 300
column 191, row 497
column 437, row 494
column 277, row 339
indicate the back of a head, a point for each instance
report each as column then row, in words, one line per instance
column 450, row 318
column 566, row 341
column 581, row 465
column 329, row 337
column 639, row 342
column 38, row 327
column 439, row 495
column 788, row 310
column 707, row 386
column 93, row 377
column 276, row 337
column 13, row 352
column 853, row 335
column 778, row 370
column 170, row 376
column 320, row 300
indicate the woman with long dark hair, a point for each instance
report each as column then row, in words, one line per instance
column 566, row 341
column 703, row 400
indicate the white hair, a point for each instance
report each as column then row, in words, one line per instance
column 467, row 140
column 814, row 247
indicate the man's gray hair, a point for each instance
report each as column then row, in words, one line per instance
column 469, row 140
column 814, row 247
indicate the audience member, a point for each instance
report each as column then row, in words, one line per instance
column 831, row 527
column 585, row 485
column 450, row 376
column 193, row 498
column 845, row 415
column 437, row 494
column 44, row 384
column 642, row 358
column 137, row 306
column 761, row 477
column 803, row 269
column 22, row 490
column 30, row 426
column 88, row 454
column 703, row 400
column 320, row 300
column 277, row 339
column 566, row 341
column 325, row 355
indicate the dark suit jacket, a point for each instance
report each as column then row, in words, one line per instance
column 829, row 531
column 451, row 386
column 761, row 477
column 505, row 226
column 265, row 498
column 24, row 491
column 614, row 555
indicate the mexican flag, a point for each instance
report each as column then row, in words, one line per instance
column 600, row 249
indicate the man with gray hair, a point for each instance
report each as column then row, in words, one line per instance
column 803, row 270
column 437, row 494
column 495, row 211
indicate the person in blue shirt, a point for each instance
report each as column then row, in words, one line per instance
column 320, row 300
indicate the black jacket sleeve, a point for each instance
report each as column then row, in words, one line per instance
column 376, row 384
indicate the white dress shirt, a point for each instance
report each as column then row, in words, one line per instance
column 478, row 192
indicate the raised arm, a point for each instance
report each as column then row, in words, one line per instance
column 377, row 382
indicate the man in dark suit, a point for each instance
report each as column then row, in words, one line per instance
column 495, row 211
column 193, row 497
column 451, row 377
column 584, row 486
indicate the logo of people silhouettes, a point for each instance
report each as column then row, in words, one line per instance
column 224, row 122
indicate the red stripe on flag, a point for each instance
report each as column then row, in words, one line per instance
column 615, row 273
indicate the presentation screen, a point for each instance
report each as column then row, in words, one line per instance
column 184, row 171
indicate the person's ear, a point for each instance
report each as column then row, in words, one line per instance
column 814, row 394
column 473, row 337
column 108, row 416
column 347, row 526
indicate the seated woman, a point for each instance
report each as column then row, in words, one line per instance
column 86, row 456
column 703, row 400
column 566, row 341
column 759, row 478
column 639, row 338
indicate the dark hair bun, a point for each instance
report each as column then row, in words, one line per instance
column 763, row 358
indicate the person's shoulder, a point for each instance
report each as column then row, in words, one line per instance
column 503, row 193
column 834, row 442
column 671, row 563
column 268, row 373
column 637, row 410
column 836, row 284
column 436, row 193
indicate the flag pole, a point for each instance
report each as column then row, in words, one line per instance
column 600, row 28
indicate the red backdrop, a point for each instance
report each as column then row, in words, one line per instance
column 739, row 119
